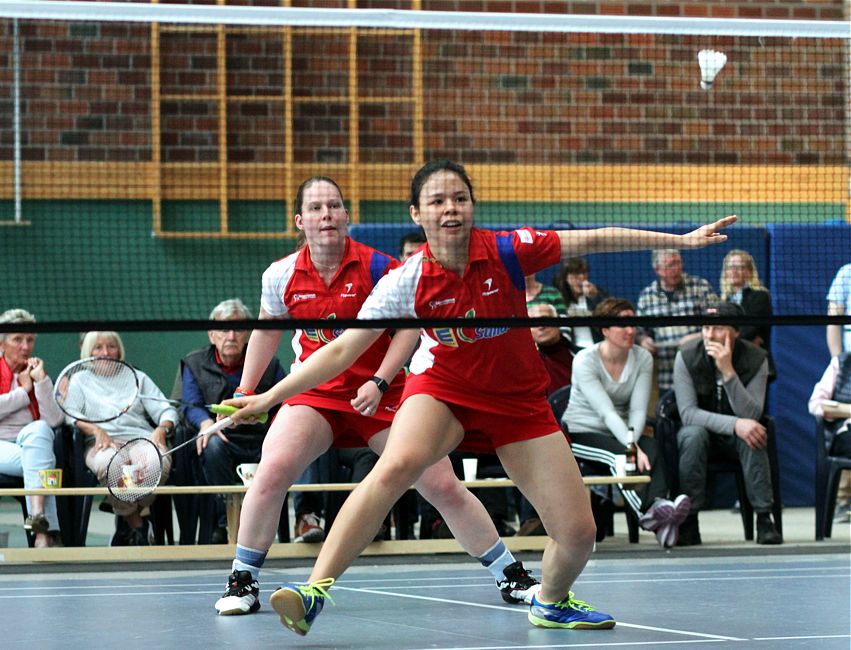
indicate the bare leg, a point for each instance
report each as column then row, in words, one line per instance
column 423, row 432
column 545, row 471
column 298, row 436
column 463, row 513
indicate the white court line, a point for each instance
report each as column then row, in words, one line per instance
column 522, row 610
column 117, row 593
column 579, row 645
column 442, row 585
column 619, row 573
column 795, row 638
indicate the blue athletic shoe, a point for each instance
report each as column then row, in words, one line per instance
column 299, row 603
column 569, row 613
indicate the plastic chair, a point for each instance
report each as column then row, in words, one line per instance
column 828, row 471
column 668, row 423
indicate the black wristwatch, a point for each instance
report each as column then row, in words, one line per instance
column 382, row 385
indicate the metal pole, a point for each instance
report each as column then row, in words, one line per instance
column 16, row 120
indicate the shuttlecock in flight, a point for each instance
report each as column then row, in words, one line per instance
column 711, row 62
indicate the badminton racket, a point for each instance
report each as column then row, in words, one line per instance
column 135, row 470
column 101, row 389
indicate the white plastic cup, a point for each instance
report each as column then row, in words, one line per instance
column 471, row 466
column 620, row 464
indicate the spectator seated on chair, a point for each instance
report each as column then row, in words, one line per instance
column 28, row 414
column 831, row 402
column 611, row 391
column 210, row 375
column 146, row 418
column 720, row 383
column 673, row 293
column 581, row 296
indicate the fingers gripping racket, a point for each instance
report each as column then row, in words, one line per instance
column 136, row 468
column 101, row 389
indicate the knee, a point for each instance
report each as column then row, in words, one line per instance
column 215, row 449
column 442, row 489
column 400, row 472
column 578, row 531
column 691, row 436
column 36, row 434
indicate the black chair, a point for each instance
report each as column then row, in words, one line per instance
column 8, row 481
column 197, row 514
column 602, row 505
column 83, row 477
column 828, row 472
column 668, row 423
column 65, row 506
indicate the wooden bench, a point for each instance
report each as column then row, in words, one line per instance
column 236, row 493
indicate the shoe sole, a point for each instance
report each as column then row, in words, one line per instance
column 578, row 625
column 290, row 608
column 239, row 612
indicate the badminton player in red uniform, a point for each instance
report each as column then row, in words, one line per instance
column 328, row 279
column 469, row 386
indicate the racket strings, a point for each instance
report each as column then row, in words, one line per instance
column 97, row 389
column 134, row 471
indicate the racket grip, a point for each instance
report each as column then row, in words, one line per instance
column 217, row 426
column 222, row 409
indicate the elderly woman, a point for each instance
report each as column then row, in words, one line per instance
column 28, row 414
column 611, row 391
column 147, row 418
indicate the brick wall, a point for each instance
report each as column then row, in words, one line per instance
column 496, row 97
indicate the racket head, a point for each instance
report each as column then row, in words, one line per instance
column 96, row 389
column 134, row 471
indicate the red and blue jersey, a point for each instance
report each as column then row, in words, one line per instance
column 496, row 369
column 293, row 288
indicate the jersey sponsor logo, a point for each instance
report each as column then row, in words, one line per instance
column 298, row 297
column 525, row 236
column 434, row 304
column 348, row 292
column 323, row 335
column 453, row 336
column 489, row 292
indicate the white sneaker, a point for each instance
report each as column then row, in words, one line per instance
column 242, row 595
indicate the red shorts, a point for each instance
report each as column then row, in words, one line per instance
column 349, row 428
column 485, row 431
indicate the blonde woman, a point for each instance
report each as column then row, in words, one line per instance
column 740, row 284
column 147, row 418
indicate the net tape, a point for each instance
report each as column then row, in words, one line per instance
column 416, row 19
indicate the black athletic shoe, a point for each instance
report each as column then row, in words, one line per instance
column 517, row 585
column 689, row 532
column 766, row 532
column 242, row 595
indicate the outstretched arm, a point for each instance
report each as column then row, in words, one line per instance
column 602, row 240
column 321, row 366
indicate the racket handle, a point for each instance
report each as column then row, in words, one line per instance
column 217, row 426
column 222, row 409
